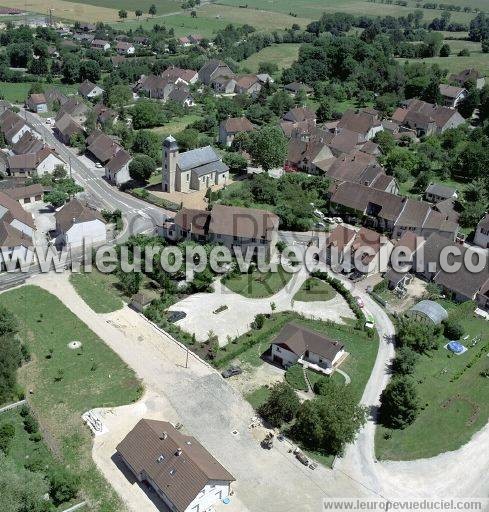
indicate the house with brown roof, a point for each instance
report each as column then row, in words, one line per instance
column 224, row 84
column 310, row 156
column 230, row 127
column 26, row 194
column 300, row 114
column 40, row 163
column 177, row 467
column 181, row 94
column 365, row 123
column 125, row 48
column 470, row 75
column 78, row 224
column 65, row 127
column 435, row 193
column 369, row 253
column 117, row 169
column 12, row 126
column 89, row 90
column 105, row 115
column 231, row 226
column 247, row 84
column 179, row 75
column 452, row 95
column 28, row 143
column 101, row 146
column 295, row 87
column 100, row 44
column 338, row 242
column 75, row 108
column 37, row 103
column 296, row 344
column 213, row 69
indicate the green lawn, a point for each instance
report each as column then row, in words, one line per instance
column 176, row 125
column 258, row 396
column 162, row 6
column 295, row 377
column 283, row 55
column 17, row 92
column 66, row 383
column 315, row 290
column 94, row 290
column 259, row 285
column 452, row 410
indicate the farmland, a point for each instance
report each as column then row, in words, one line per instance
column 281, row 54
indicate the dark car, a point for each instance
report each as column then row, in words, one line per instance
column 231, row 371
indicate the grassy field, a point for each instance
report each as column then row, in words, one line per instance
column 92, row 288
column 259, row 285
column 453, row 410
column 314, row 8
column 281, row 54
column 66, row 383
column 313, row 290
column 176, row 125
column 17, row 92
column 162, row 6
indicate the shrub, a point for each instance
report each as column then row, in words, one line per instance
column 63, row 485
column 7, row 433
column 452, row 330
column 258, row 321
column 30, row 424
column 281, row 406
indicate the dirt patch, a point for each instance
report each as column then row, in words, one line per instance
column 459, row 398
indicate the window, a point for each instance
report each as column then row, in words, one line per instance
column 188, row 177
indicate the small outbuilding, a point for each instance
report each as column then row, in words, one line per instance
column 428, row 311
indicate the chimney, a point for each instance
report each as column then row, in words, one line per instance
column 178, row 452
column 163, row 436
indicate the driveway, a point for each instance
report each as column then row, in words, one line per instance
column 241, row 311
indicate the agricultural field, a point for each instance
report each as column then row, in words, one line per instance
column 283, row 55
column 66, row 383
column 162, row 6
column 314, row 8
column 453, row 396
column 455, row 64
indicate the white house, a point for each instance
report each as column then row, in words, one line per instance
column 77, row 223
column 42, row 162
column 297, row 344
column 481, row 237
column 125, row 48
column 90, row 90
column 452, row 95
column 12, row 126
column 177, row 467
column 100, row 44
column 117, row 169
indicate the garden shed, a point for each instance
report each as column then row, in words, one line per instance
column 428, row 311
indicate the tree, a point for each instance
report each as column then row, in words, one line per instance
column 267, row 147
column 59, row 172
column 280, row 103
column 10, row 354
column 147, row 143
column 325, row 110
column 141, row 168
column 19, row 54
column 405, row 361
column 63, row 485
column 386, row 141
column 146, row 114
column 130, row 282
column 400, row 162
column 419, row 336
column 330, row 421
column 452, row 330
column 89, row 70
column 118, row 96
column 70, row 69
column 485, row 46
column 237, row 163
column 7, row 433
column 138, row 13
column 122, row 14
column 56, row 198
column 445, row 50
column 399, row 404
column 193, row 14
column 281, row 406
column 152, row 10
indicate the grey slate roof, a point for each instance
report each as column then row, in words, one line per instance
column 197, row 158
column 219, row 167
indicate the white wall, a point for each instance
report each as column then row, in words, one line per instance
column 92, row 232
column 210, row 494
column 287, row 356
column 48, row 165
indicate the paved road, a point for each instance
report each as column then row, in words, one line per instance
column 138, row 214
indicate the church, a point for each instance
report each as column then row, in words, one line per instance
column 194, row 170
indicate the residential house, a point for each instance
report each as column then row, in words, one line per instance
column 101, row 146
column 29, row 143
column 230, row 127
column 55, row 98
column 452, row 95
column 468, row 76
column 337, row 244
column 300, row 114
column 184, row 41
column 224, row 84
column 37, row 103
column 100, row 44
column 16, row 230
column 12, row 126
column 179, row 75
column 310, row 156
column 77, row 223
column 105, row 115
column 195, row 38
column 65, row 127
column 425, row 118
column 40, row 163
column 370, row 252
column 155, row 87
column 182, row 95
column 213, row 69
column 26, row 194
column 177, row 467
column 125, row 48
column 481, row 237
column 295, row 87
column 366, row 123
column 246, row 228
column 427, row 257
column 74, row 108
column 247, row 84
column 296, row 344
column 4, row 105
column 90, row 90
column 197, row 169
column 117, row 169
column 436, row 193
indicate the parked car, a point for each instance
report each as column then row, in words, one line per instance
column 338, row 220
column 301, row 458
column 319, row 213
column 231, row 371
column 267, row 442
column 359, row 301
column 320, row 225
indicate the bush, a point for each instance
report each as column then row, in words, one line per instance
column 7, row 433
column 63, row 485
column 258, row 321
column 399, row 404
column 452, row 330
column 30, row 424
column 281, row 406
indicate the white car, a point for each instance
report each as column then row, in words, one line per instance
column 338, row 220
column 319, row 213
